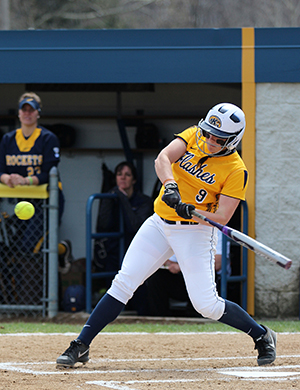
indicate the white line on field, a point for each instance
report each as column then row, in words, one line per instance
column 133, row 334
column 18, row 368
column 120, row 386
column 28, row 367
column 243, row 373
column 187, row 359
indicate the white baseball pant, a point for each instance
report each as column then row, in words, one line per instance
column 194, row 247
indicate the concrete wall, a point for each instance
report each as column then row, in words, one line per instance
column 277, row 196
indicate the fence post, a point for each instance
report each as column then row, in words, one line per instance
column 53, row 244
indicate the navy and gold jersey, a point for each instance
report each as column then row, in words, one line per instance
column 32, row 156
column 202, row 186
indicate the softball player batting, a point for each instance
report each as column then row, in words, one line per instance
column 200, row 169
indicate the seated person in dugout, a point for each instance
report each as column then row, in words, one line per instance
column 167, row 284
column 136, row 208
column 39, row 150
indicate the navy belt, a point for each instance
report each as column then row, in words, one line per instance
column 179, row 222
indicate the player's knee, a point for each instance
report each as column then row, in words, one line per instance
column 213, row 311
column 121, row 289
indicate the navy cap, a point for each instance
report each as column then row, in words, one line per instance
column 32, row 102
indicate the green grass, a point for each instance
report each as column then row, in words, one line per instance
column 151, row 327
column 38, row 327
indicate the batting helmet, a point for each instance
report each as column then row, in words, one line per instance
column 225, row 120
column 74, row 298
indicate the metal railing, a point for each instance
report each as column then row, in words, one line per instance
column 90, row 237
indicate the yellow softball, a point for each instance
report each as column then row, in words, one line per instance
column 24, row 210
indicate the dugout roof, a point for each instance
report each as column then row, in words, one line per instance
column 146, row 56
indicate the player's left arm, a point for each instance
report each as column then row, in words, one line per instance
column 226, row 209
column 233, row 191
column 51, row 158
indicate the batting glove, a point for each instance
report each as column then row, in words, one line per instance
column 184, row 210
column 171, row 195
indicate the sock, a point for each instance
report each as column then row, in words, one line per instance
column 107, row 309
column 238, row 318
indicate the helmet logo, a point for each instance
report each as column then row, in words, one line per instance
column 215, row 121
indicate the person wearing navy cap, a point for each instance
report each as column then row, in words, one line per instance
column 29, row 152
column 34, row 102
column 26, row 156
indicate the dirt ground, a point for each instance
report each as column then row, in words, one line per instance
column 149, row 361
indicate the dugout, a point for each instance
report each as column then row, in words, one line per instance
column 104, row 83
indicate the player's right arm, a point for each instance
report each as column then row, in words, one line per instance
column 165, row 159
column 5, row 179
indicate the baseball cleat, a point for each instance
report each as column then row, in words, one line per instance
column 66, row 259
column 76, row 353
column 266, row 346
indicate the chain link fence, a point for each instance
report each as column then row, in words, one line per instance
column 28, row 252
column 23, row 260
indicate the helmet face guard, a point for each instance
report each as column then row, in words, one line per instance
column 224, row 121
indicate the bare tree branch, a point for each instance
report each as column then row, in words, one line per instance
column 52, row 14
column 98, row 12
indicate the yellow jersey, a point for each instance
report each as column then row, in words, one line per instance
column 202, row 186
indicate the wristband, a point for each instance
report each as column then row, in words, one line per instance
column 167, row 180
column 30, row 180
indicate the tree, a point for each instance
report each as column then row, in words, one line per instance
column 98, row 14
